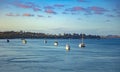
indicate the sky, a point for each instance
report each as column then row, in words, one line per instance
column 99, row 17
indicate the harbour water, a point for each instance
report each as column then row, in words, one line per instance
column 98, row 56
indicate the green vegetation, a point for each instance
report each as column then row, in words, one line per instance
column 21, row 34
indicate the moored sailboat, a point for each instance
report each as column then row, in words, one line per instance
column 82, row 44
column 55, row 43
column 67, row 47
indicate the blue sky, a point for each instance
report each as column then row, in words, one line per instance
column 101, row 17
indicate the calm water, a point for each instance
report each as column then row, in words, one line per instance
column 98, row 56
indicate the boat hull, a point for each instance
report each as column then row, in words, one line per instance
column 82, row 45
column 67, row 47
column 55, row 43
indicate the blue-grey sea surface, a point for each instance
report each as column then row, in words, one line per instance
column 99, row 55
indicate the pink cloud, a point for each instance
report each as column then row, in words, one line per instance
column 77, row 8
column 89, row 10
column 27, row 5
column 22, row 5
column 36, row 9
column 27, row 14
column 48, row 7
column 98, row 10
column 50, row 11
column 59, row 5
column 82, row 1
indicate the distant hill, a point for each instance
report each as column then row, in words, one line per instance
column 113, row 36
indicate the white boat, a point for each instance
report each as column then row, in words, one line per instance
column 24, row 41
column 55, row 43
column 67, row 47
column 82, row 44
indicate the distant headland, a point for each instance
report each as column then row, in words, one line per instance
column 33, row 35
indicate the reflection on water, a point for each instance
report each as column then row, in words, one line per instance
column 36, row 56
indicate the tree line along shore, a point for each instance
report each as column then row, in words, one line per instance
column 32, row 35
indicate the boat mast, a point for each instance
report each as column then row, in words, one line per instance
column 82, row 38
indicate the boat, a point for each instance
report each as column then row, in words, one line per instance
column 82, row 44
column 24, row 41
column 67, row 47
column 55, row 43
